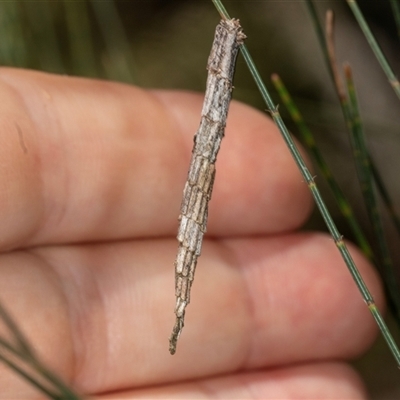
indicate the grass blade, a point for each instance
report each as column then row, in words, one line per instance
column 309, row 141
column 396, row 13
column 41, row 22
column 319, row 31
column 44, row 374
column 385, row 196
column 80, row 39
column 364, row 164
column 364, row 172
column 347, row 114
column 28, row 377
column 374, row 46
column 22, row 343
column 119, row 62
column 13, row 49
column 25, row 355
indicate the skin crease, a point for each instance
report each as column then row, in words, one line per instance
column 91, row 181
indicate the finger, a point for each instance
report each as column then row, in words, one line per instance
column 258, row 188
column 102, row 313
column 85, row 160
column 316, row 381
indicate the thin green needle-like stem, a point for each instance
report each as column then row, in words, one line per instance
column 354, row 126
column 385, row 196
column 38, row 368
column 374, row 46
column 28, row 377
column 10, row 348
column 332, row 66
column 66, row 392
column 29, row 361
column 13, row 46
column 396, row 13
column 317, row 196
column 24, row 353
column 348, row 116
column 120, row 61
column 308, row 138
column 221, row 9
column 364, row 172
column 80, row 39
column 22, row 343
column 320, row 32
column 45, row 43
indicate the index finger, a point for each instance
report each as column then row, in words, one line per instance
column 86, row 160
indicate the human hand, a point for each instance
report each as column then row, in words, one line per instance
column 91, row 181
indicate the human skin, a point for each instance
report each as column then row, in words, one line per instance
column 91, row 179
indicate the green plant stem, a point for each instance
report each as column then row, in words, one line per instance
column 317, row 196
column 320, row 32
column 119, row 62
column 23, row 357
column 80, row 40
column 45, row 41
column 13, row 48
column 365, row 168
column 52, row 379
column 22, row 343
column 308, row 138
column 28, row 377
column 362, row 159
column 374, row 46
column 385, row 196
column 348, row 115
column 396, row 13
column 25, row 354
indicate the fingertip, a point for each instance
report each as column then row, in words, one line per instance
column 305, row 287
